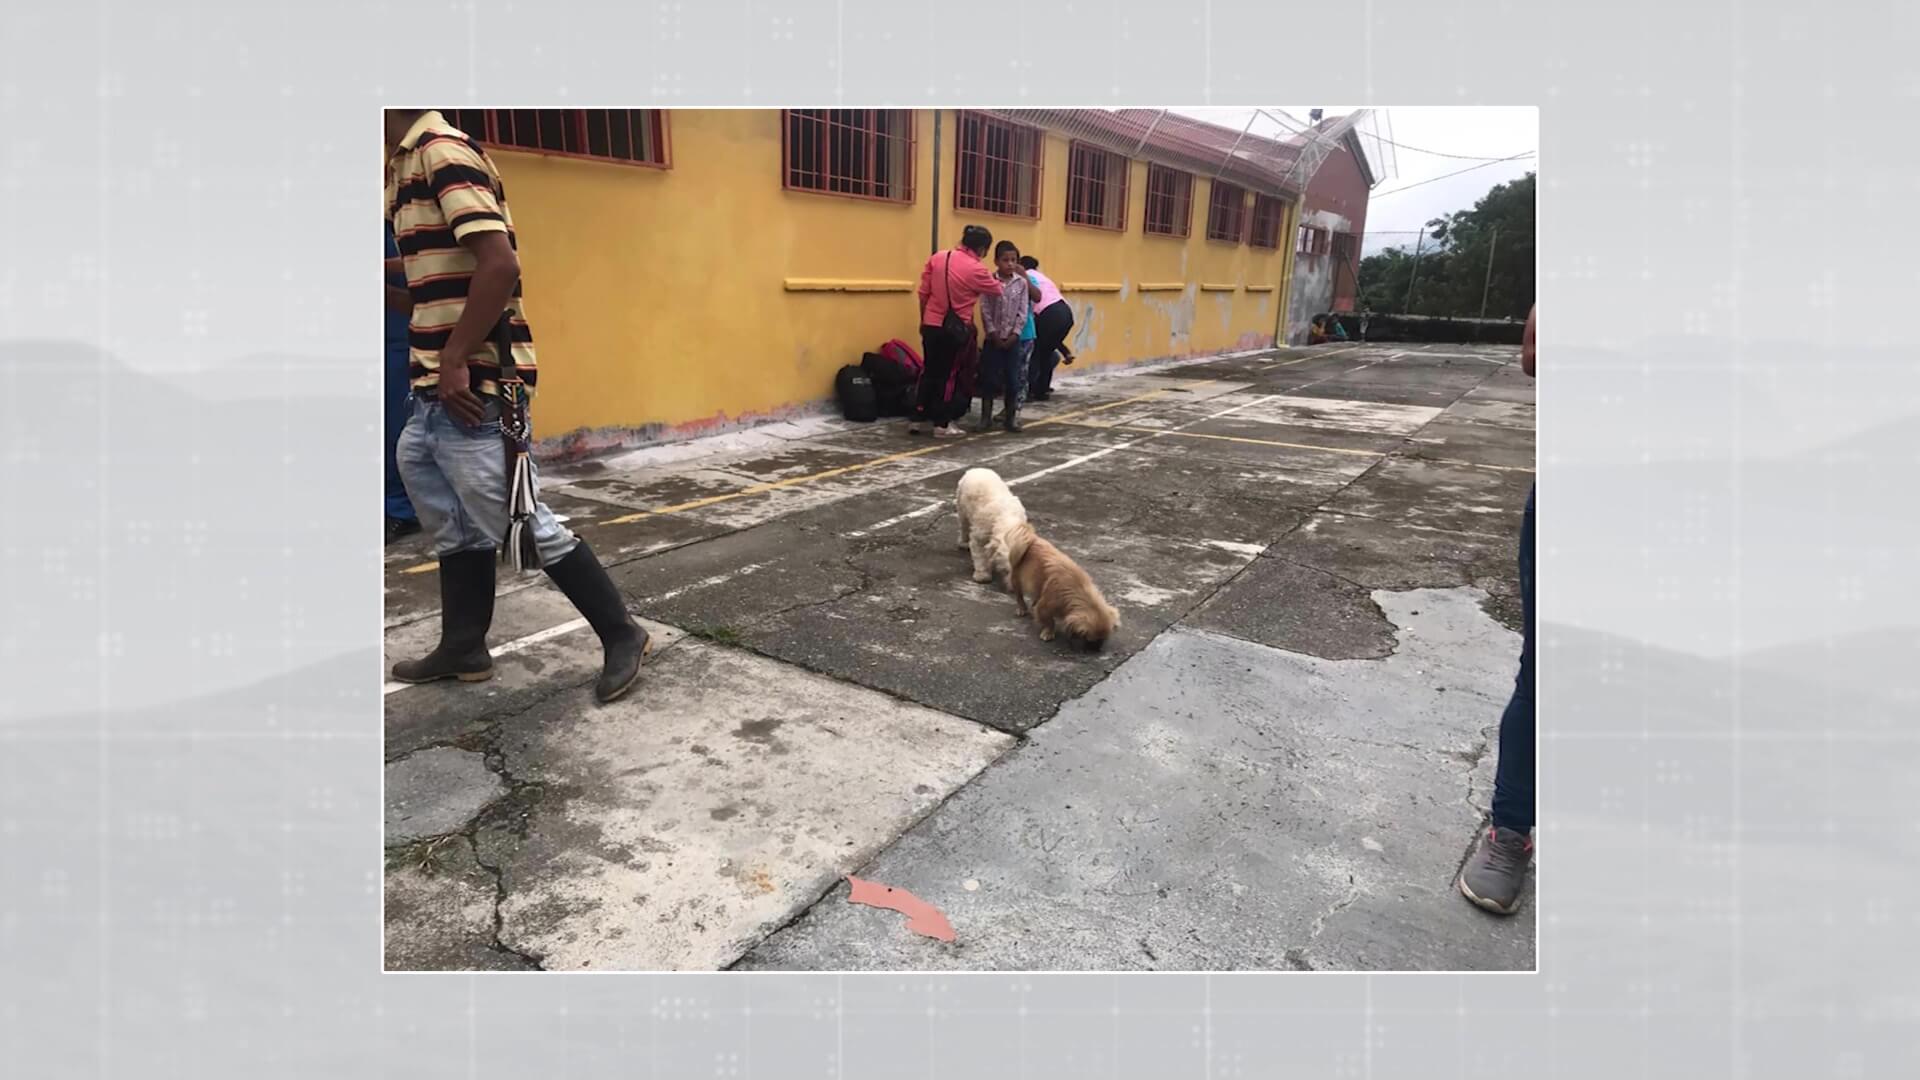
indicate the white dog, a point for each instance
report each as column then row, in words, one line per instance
column 989, row 512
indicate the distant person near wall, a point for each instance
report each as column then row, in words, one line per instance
column 951, row 285
column 1053, row 321
column 1494, row 874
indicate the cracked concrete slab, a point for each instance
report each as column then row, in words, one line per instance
column 676, row 827
column 1216, row 805
column 437, row 791
column 1300, row 609
column 1482, row 444
column 1387, row 554
column 1333, row 414
column 1438, row 495
column 440, row 911
column 1492, row 412
column 1508, row 385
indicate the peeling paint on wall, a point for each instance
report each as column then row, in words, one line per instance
column 1179, row 313
column 1312, row 294
column 1086, row 328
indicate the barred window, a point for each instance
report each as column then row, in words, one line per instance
column 864, row 153
column 1169, row 201
column 627, row 136
column 1265, row 231
column 997, row 167
column 1096, row 187
column 1227, row 213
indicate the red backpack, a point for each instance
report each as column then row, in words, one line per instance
column 903, row 354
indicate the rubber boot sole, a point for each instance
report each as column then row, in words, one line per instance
column 463, row 676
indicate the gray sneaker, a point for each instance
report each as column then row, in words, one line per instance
column 1496, row 870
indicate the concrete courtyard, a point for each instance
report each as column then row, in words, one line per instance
column 1279, row 762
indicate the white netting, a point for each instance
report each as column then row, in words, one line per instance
column 1263, row 149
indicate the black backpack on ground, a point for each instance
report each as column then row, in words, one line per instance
column 892, row 384
column 855, row 390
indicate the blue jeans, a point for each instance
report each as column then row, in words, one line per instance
column 458, row 478
column 1513, row 773
column 399, row 406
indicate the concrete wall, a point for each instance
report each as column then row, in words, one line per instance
column 672, row 302
column 1336, row 200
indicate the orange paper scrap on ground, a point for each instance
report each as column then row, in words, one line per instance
column 922, row 917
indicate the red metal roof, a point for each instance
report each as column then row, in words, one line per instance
column 1254, row 161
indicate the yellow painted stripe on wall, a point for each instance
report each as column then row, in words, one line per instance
column 1207, row 287
column 1085, row 286
column 1162, row 286
column 845, row 285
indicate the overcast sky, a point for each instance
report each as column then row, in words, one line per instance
column 1476, row 131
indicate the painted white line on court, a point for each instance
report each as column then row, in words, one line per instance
column 1081, row 460
column 1235, row 546
column 892, row 521
column 709, row 582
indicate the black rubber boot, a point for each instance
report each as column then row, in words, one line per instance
column 466, row 611
column 986, row 414
column 1012, row 417
column 626, row 644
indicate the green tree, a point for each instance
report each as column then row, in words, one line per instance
column 1453, row 262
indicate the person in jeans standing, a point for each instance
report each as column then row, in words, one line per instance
column 1053, row 319
column 1494, row 874
column 401, row 520
column 951, row 282
column 448, row 209
column 1007, row 315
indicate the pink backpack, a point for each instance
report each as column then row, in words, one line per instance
column 903, row 354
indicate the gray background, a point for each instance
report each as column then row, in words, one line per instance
column 189, row 742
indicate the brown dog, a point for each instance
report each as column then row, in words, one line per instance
column 1065, row 599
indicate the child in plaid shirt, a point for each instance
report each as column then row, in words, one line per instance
column 1008, row 319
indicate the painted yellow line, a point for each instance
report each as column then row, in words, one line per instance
column 1237, row 439
column 775, row 485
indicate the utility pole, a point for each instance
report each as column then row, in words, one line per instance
column 1414, row 274
column 936, row 182
column 1492, row 241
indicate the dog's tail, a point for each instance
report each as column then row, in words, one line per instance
column 1014, row 542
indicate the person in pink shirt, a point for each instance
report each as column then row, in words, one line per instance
column 952, row 282
column 1053, row 318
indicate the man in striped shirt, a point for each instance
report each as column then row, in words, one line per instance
column 457, row 246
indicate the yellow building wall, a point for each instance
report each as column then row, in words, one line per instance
column 673, row 301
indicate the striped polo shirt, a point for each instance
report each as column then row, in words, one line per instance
column 441, row 188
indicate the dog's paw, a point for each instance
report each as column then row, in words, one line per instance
column 982, row 576
column 1047, row 634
